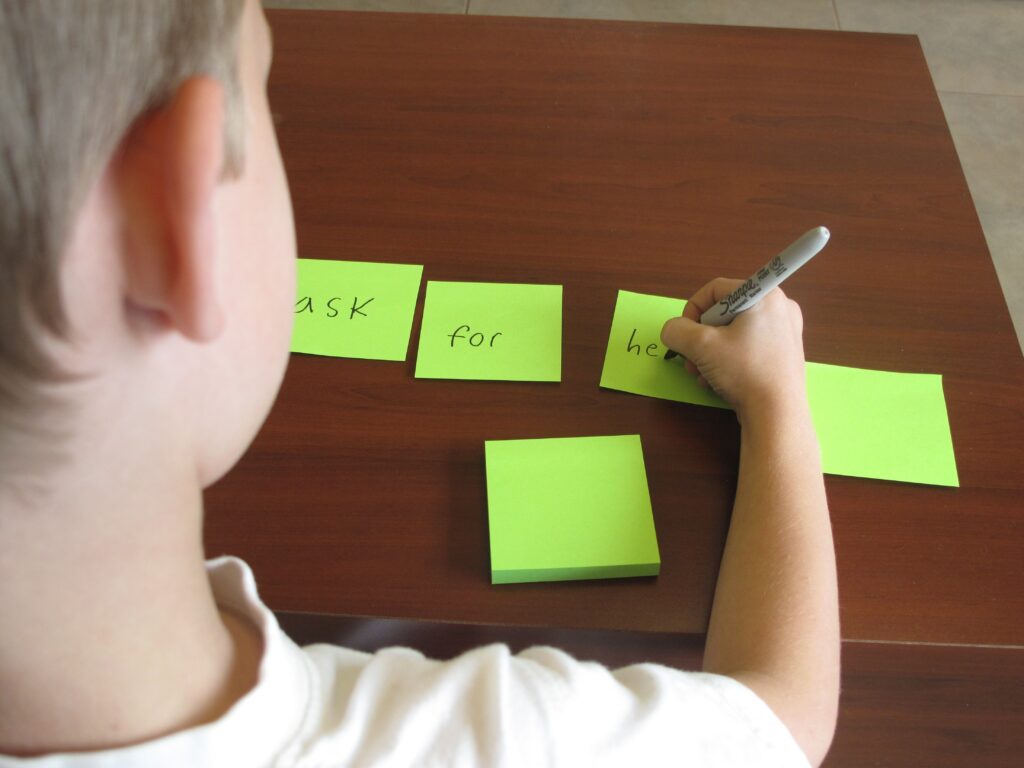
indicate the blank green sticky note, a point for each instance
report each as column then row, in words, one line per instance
column 502, row 331
column 569, row 508
column 889, row 426
column 355, row 308
column 635, row 359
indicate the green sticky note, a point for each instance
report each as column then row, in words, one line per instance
column 501, row 331
column 875, row 424
column 569, row 508
column 883, row 425
column 635, row 359
column 355, row 308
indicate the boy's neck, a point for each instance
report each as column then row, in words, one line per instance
column 111, row 635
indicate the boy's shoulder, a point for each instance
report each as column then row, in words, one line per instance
column 327, row 704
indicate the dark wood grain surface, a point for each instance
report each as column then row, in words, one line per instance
column 601, row 156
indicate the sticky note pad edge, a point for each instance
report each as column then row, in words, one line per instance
column 529, row 575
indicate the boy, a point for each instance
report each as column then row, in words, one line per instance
column 133, row 373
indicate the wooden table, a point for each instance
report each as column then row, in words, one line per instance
column 649, row 157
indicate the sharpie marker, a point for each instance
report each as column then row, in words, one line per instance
column 770, row 276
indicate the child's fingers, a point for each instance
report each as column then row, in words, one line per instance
column 709, row 295
column 683, row 335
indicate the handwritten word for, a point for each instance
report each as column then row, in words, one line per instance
column 474, row 339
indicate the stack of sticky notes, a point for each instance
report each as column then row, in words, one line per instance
column 569, row 508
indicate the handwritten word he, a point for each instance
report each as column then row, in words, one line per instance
column 630, row 346
column 305, row 304
column 475, row 339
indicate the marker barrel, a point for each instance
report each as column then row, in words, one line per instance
column 770, row 276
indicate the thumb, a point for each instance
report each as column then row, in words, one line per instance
column 682, row 335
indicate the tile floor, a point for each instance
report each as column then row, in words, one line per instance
column 975, row 49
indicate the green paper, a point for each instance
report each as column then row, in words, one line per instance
column 355, row 308
column 883, row 425
column 875, row 424
column 635, row 359
column 495, row 331
column 569, row 508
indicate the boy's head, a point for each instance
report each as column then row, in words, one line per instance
column 146, row 239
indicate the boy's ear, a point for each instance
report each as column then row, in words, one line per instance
column 167, row 170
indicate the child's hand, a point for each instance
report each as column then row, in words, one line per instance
column 755, row 363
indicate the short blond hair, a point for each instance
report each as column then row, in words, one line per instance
column 74, row 78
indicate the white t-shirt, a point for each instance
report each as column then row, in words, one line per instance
column 329, row 706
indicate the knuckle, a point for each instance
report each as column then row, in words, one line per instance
column 700, row 339
column 668, row 332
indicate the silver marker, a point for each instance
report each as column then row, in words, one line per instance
column 768, row 277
